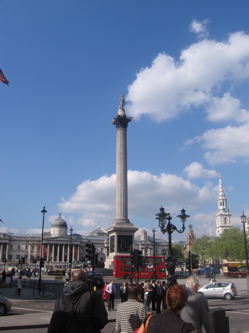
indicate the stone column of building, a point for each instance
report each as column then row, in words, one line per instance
column 7, row 251
column 63, row 252
column 121, row 232
column 53, row 252
column 29, row 253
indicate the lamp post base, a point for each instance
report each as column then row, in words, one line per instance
column 171, row 265
column 171, row 280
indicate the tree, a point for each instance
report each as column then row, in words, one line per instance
column 232, row 241
column 202, row 247
column 177, row 252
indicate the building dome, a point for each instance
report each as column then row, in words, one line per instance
column 58, row 227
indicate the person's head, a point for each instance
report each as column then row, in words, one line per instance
column 176, row 298
column 134, row 291
column 79, row 275
column 192, row 282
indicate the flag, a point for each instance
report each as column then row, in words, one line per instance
column 3, row 78
column 1, row 221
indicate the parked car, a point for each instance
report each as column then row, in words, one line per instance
column 216, row 289
column 98, row 279
column 181, row 275
column 5, row 305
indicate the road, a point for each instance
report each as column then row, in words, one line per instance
column 237, row 310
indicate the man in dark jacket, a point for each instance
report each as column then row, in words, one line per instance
column 79, row 309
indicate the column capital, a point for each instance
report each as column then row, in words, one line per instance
column 121, row 121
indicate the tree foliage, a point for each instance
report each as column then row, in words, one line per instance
column 177, row 252
column 231, row 242
column 202, row 247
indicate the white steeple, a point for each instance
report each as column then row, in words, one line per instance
column 223, row 216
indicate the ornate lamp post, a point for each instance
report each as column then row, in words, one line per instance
column 41, row 257
column 70, row 255
column 169, row 228
column 243, row 221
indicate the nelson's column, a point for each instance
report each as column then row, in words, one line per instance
column 121, row 231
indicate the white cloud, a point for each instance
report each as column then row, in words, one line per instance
column 93, row 203
column 226, row 144
column 169, row 87
column 204, row 224
column 9, row 231
column 196, row 170
column 226, row 108
column 199, row 28
column 35, row 231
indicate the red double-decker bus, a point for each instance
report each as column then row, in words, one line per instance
column 151, row 269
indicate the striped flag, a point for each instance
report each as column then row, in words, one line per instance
column 3, row 78
column 1, row 221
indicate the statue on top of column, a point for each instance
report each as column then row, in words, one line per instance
column 122, row 102
column 190, row 235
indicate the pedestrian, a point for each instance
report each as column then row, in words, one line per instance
column 79, row 309
column 142, row 292
column 123, row 292
column 158, row 288
column 197, row 310
column 130, row 314
column 111, row 290
column 105, row 294
column 164, row 290
column 4, row 275
column 19, row 285
column 153, row 295
column 147, row 294
column 170, row 321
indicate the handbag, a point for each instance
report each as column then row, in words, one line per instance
column 143, row 327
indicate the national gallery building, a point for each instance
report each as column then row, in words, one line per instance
column 58, row 242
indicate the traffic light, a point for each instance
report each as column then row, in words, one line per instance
column 19, row 261
column 42, row 260
column 132, row 258
column 140, row 258
column 136, row 258
column 89, row 252
column 187, row 264
column 195, row 262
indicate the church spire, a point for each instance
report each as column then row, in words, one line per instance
column 222, row 201
column 223, row 216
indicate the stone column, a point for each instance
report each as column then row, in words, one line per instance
column 63, row 252
column 121, row 121
column 53, row 253
column 121, row 232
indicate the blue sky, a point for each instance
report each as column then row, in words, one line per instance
column 183, row 67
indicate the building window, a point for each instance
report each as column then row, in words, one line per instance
column 26, row 247
column 18, row 247
column 32, row 247
column 11, row 247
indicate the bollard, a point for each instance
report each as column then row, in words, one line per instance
column 219, row 320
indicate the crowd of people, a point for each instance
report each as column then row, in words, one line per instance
column 148, row 307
